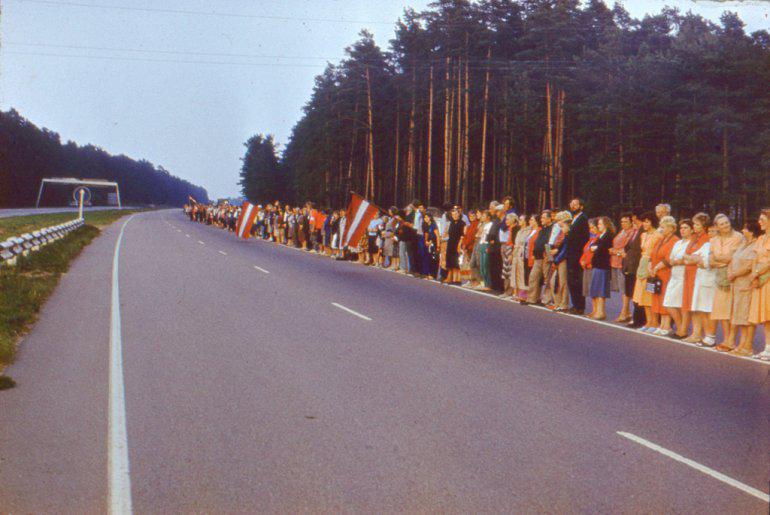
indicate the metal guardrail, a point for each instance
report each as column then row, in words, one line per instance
column 12, row 248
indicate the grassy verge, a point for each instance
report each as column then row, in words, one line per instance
column 17, row 225
column 25, row 287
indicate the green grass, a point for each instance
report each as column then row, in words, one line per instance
column 25, row 287
column 18, row 225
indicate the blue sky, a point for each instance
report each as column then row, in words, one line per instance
column 160, row 81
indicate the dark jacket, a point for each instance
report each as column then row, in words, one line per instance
column 577, row 237
column 633, row 253
column 601, row 257
column 541, row 241
column 493, row 237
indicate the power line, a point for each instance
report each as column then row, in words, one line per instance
column 499, row 67
column 172, row 52
column 150, row 60
column 204, row 13
column 493, row 63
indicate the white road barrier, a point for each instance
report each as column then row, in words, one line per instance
column 12, row 248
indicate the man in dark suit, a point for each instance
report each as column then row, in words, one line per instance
column 633, row 254
column 576, row 239
column 493, row 239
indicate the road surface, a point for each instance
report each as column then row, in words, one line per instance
column 260, row 378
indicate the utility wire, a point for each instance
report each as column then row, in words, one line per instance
column 493, row 63
column 204, row 13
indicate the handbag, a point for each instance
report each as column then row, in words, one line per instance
column 654, row 285
column 643, row 268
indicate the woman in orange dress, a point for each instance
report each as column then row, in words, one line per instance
column 642, row 297
column 691, row 260
column 660, row 267
column 723, row 246
column 759, row 312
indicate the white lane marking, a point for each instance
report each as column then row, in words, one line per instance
column 261, row 269
column 118, row 469
column 585, row 319
column 187, row 235
column 762, row 496
column 359, row 315
column 223, row 253
column 199, row 241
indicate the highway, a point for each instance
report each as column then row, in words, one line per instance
column 259, row 378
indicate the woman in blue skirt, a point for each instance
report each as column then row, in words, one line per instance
column 600, row 263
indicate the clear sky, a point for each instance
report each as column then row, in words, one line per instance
column 184, row 83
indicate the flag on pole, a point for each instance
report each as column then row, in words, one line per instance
column 245, row 221
column 359, row 214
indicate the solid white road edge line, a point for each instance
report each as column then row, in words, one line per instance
column 343, row 308
column 261, row 269
column 222, row 252
column 117, row 447
column 762, row 496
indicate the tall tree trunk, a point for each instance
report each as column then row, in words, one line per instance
column 484, row 128
column 370, row 163
column 549, row 145
column 350, row 184
column 430, row 134
column 410, row 155
column 559, row 164
column 621, row 162
column 395, row 158
column 525, row 164
column 446, row 132
column 459, row 160
column 450, row 143
column 466, row 139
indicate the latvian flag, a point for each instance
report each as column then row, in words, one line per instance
column 246, row 220
column 359, row 214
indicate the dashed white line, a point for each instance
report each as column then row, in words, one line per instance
column 187, row 235
column 117, row 460
column 199, row 241
column 697, row 466
column 359, row 315
column 261, row 269
column 222, row 252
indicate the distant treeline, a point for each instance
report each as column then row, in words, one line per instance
column 541, row 100
column 28, row 154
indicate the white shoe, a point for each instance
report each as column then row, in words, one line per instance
column 709, row 341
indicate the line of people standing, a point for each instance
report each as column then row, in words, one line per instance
column 677, row 279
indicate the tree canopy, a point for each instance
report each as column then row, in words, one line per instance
column 541, row 100
column 28, row 154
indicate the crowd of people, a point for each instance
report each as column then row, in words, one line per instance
column 680, row 279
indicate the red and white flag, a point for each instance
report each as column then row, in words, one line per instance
column 359, row 214
column 246, row 220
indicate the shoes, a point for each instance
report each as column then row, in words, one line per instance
column 724, row 348
column 576, row 311
column 709, row 341
column 764, row 355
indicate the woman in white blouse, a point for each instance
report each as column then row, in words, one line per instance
column 672, row 301
column 705, row 287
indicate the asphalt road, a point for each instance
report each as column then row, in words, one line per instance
column 247, row 389
column 6, row 213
